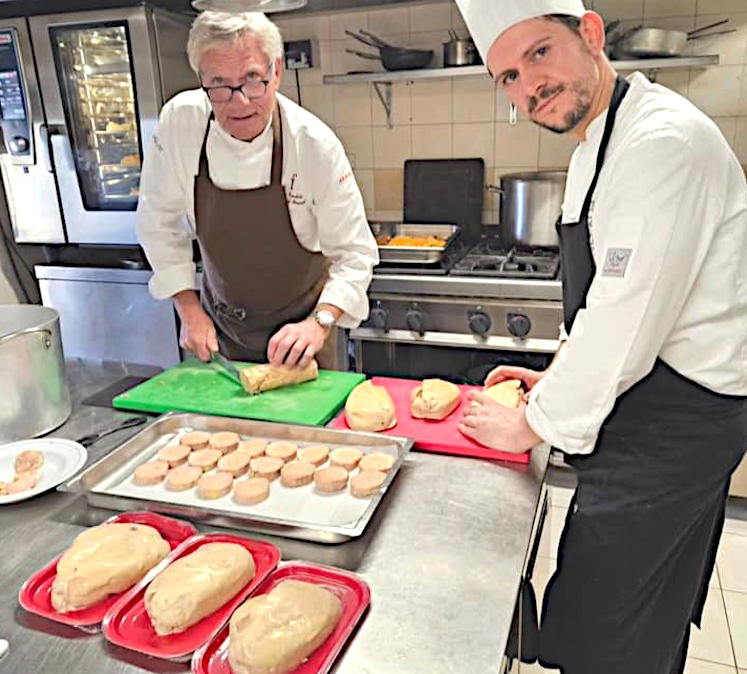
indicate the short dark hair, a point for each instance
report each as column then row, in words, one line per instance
column 569, row 21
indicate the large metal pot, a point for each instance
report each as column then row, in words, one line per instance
column 530, row 206
column 34, row 398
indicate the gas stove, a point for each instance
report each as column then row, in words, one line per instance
column 490, row 257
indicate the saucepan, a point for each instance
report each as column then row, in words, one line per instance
column 460, row 52
column 393, row 58
column 658, row 43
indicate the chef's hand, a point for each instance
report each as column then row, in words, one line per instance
column 197, row 333
column 497, row 426
column 504, row 372
column 296, row 343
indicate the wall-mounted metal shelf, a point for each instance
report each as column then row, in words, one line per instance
column 387, row 78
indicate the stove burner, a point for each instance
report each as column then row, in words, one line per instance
column 489, row 258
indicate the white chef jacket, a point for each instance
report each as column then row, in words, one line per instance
column 325, row 204
column 668, row 230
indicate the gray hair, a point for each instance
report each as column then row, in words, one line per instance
column 216, row 29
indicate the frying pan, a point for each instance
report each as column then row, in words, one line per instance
column 658, row 43
column 393, row 58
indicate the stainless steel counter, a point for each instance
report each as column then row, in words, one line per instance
column 443, row 557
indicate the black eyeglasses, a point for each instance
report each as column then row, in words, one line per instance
column 254, row 88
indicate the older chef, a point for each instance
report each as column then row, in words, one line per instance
column 266, row 189
column 647, row 397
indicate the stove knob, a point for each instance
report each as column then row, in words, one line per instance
column 518, row 325
column 479, row 323
column 380, row 318
column 415, row 321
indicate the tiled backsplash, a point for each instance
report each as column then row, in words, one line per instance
column 469, row 117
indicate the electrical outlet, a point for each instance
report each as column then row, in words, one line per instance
column 298, row 55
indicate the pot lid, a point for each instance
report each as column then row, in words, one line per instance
column 19, row 317
column 248, row 5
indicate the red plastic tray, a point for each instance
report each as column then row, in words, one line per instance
column 127, row 623
column 433, row 436
column 352, row 591
column 36, row 593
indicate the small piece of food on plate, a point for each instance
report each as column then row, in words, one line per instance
column 183, row 477
column 366, row 483
column 370, row 408
column 315, row 454
column 508, row 393
column 282, row 450
column 194, row 586
column 251, row 491
column 255, row 446
column 150, row 473
column 434, row 399
column 236, row 463
column 175, row 455
column 21, row 483
column 30, row 460
column 331, row 480
column 276, row 632
column 224, row 441
column 105, row 560
column 204, row 458
column 214, row 485
column 266, row 466
column 297, row 473
column 377, row 461
column 267, row 377
column 345, row 457
column 195, row 439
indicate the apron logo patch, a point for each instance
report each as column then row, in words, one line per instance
column 616, row 262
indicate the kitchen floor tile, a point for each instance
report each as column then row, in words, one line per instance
column 695, row 666
column 732, row 562
column 712, row 642
column 736, row 611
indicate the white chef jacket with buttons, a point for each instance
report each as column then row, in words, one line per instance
column 325, row 204
column 668, row 229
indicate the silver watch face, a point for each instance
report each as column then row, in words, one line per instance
column 325, row 318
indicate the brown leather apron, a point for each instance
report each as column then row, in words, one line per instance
column 256, row 275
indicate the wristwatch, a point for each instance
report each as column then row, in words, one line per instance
column 325, row 318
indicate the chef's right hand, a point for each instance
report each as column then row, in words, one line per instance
column 198, row 333
column 504, row 372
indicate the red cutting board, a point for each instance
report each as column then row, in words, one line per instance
column 433, row 436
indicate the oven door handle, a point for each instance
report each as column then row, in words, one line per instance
column 455, row 339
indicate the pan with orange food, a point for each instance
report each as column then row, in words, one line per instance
column 412, row 243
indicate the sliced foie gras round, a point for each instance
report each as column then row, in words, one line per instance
column 266, row 466
column 194, row 586
column 204, row 458
column 175, row 455
column 315, row 454
column 366, row 483
column 214, row 485
column 30, row 460
column 225, row 441
column 183, row 477
column 282, row 450
column 330, row 480
column 434, row 399
column 105, row 560
column 276, row 632
column 251, row 491
column 377, row 461
column 236, row 463
column 508, row 393
column 150, row 473
column 346, row 457
column 297, row 473
column 195, row 439
column 370, row 408
column 21, row 483
column 255, row 447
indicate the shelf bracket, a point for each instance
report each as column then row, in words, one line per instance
column 386, row 100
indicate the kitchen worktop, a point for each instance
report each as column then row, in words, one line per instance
column 443, row 557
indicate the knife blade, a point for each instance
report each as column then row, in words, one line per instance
column 227, row 366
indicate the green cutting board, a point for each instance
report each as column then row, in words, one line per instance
column 194, row 386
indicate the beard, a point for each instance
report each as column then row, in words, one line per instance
column 581, row 106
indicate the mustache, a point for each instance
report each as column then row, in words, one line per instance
column 549, row 92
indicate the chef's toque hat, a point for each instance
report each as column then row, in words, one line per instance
column 487, row 19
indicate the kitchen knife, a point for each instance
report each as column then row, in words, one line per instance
column 227, row 367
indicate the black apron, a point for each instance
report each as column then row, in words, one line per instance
column 643, row 527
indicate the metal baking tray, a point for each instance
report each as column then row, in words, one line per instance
column 413, row 254
column 295, row 513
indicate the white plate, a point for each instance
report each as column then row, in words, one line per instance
column 62, row 459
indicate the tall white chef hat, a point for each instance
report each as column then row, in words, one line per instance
column 487, row 19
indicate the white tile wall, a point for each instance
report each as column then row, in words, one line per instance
column 474, row 111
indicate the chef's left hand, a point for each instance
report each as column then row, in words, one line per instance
column 296, row 343
column 497, row 426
